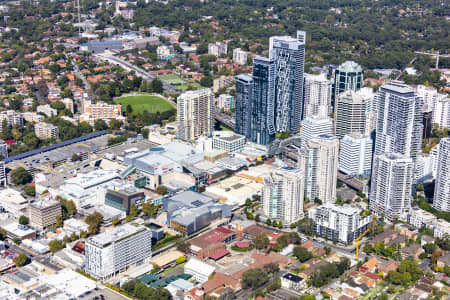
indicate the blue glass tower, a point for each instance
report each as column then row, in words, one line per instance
column 263, row 101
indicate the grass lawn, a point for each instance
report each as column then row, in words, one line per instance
column 193, row 85
column 143, row 102
column 170, row 270
column 166, row 240
column 172, row 79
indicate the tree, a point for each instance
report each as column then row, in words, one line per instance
column 162, row 190
column 302, row 254
column 84, row 128
column 100, row 125
column 17, row 241
column 261, row 241
column 183, row 245
column 20, row 176
column 253, row 278
column 75, row 157
column 115, row 124
column 271, row 268
column 306, row 226
column 181, row 259
column 274, row 285
column 55, row 245
column 115, row 221
column 429, row 248
column 157, row 86
column 30, row 190
column 2, row 234
column 206, row 81
column 23, row 220
column 149, row 209
column 227, row 294
column 94, row 221
column 6, row 130
column 20, row 260
column 133, row 212
column 129, row 110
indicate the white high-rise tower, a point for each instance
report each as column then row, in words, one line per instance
column 283, row 193
column 317, row 96
column 441, row 200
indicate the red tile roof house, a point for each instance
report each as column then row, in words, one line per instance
column 211, row 242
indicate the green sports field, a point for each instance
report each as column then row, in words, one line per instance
column 142, row 102
column 172, row 79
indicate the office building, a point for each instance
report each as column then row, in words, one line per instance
column 123, row 199
column 317, row 96
column 3, row 178
column 289, row 56
column 12, row 118
column 441, row 199
column 240, row 56
column 263, row 101
column 3, row 149
column 348, row 76
column 228, row 141
column 391, row 185
column 46, row 131
column 225, row 102
column 339, row 223
column 350, row 113
column 399, row 120
column 195, row 114
column 113, row 251
column 283, row 194
column 355, row 157
column 43, row 213
column 244, row 91
column 217, row 48
column 98, row 47
column 321, row 164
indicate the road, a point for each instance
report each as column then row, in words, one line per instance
column 225, row 119
column 43, row 259
column 130, row 67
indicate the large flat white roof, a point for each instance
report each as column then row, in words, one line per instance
column 116, row 234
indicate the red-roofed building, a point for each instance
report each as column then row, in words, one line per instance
column 212, row 241
column 308, row 246
column 243, row 244
column 373, row 276
column 219, row 254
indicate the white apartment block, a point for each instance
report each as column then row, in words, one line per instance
column 434, row 153
column 321, row 165
column 355, row 157
column 420, row 218
column 283, row 194
column 441, row 199
column 3, row 149
column 101, row 110
column 225, row 102
column 195, row 114
column 12, row 118
column 32, row 117
column 217, row 48
column 46, row 131
column 390, row 191
column 240, row 56
column 350, row 113
column 223, row 82
column 317, row 96
column 47, row 110
column 113, row 251
column 163, row 52
column 339, row 223
column 441, row 111
column 228, row 141
column 399, row 120
column 314, row 126
column 68, row 103
column 3, row 178
column 441, row 228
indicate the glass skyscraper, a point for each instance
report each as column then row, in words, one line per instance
column 273, row 102
column 348, row 76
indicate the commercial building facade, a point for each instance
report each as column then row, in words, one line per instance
column 44, row 213
column 283, row 195
column 348, row 76
column 111, row 252
column 314, row 126
column 124, row 198
column 244, row 91
column 339, row 223
column 195, row 114
column 350, row 113
column 228, row 141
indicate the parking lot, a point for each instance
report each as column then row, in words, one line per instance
column 108, row 294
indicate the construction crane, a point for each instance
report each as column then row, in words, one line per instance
column 358, row 239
